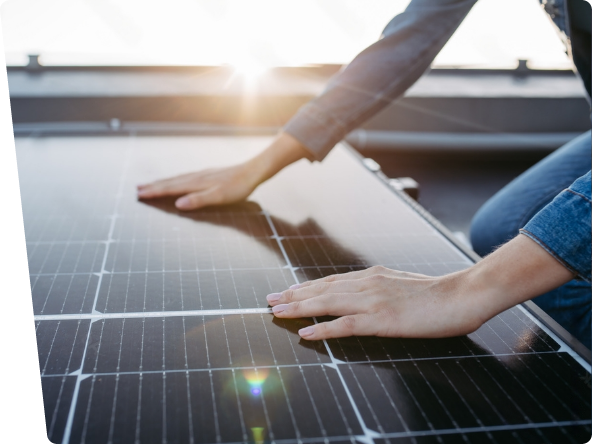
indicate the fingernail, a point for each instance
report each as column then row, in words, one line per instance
column 306, row 331
column 295, row 286
column 279, row 308
column 183, row 202
column 141, row 192
column 273, row 297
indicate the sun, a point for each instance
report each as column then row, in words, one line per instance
column 249, row 69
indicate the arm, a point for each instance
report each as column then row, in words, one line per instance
column 226, row 185
column 554, row 247
column 379, row 74
column 384, row 302
column 372, row 80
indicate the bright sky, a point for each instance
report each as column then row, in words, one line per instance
column 259, row 32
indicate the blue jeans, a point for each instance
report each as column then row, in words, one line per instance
column 513, row 206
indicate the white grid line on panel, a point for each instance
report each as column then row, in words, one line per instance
column 367, row 432
column 152, row 314
column 113, row 217
column 140, row 371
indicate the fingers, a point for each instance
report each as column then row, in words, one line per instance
column 328, row 304
column 316, row 288
column 354, row 325
column 171, row 187
column 377, row 269
column 193, row 201
column 340, row 277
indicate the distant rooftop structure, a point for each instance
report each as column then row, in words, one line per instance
column 261, row 33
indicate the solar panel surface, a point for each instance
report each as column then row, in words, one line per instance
column 152, row 325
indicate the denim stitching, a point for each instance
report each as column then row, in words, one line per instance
column 579, row 194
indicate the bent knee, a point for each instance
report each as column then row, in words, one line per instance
column 490, row 229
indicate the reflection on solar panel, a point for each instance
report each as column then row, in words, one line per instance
column 152, row 325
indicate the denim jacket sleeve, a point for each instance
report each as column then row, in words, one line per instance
column 563, row 228
column 379, row 74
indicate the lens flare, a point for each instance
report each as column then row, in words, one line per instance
column 258, row 434
column 255, row 378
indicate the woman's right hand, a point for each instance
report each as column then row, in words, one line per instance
column 219, row 186
column 216, row 186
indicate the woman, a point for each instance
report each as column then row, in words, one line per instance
column 544, row 215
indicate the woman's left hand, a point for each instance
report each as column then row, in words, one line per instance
column 379, row 302
column 383, row 302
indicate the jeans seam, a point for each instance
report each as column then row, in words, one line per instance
column 579, row 194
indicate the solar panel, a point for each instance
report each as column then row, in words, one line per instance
column 152, row 324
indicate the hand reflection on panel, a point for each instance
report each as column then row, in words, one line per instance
column 293, row 325
column 308, row 244
column 244, row 217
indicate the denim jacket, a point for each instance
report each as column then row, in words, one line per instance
column 384, row 70
column 563, row 227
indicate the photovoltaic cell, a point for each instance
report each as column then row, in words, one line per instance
column 60, row 345
column 63, row 293
column 57, row 398
column 204, row 342
column 65, row 257
column 152, row 324
column 190, row 290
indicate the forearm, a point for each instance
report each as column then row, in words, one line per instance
column 283, row 151
column 518, row 271
column 379, row 74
